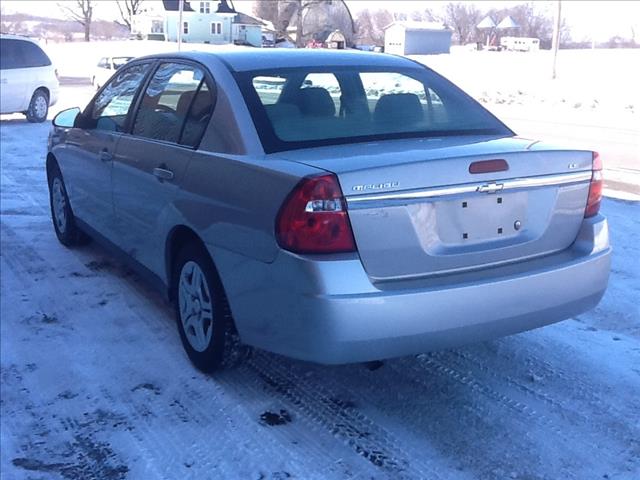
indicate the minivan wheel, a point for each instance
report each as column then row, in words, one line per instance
column 38, row 107
column 202, row 312
column 64, row 222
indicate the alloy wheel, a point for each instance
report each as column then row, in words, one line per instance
column 59, row 201
column 195, row 306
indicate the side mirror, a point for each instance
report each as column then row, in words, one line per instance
column 66, row 118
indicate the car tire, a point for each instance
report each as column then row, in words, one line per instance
column 203, row 316
column 64, row 222
column 38, row 107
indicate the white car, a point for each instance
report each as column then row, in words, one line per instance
column 105, row 68
column 29, row 82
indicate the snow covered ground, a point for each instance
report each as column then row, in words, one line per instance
column 95, row 384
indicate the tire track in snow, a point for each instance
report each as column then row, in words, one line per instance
column 554, row 422
column 138, row 299
column 188, row 408
column 578, row 389
column 319, row 405
column 595, row 426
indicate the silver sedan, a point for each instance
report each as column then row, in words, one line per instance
column 331, row 206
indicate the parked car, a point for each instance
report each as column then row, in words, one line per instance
column 332, row 206
column 29, row 82
column 105, row 69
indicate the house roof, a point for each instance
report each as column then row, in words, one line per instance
column 245, row 19
column 414, row 25
column 174, row 6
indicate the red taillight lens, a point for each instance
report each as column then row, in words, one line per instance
column 595, row 188
column 314, row 219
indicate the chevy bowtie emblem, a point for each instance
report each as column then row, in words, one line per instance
column 491, row 187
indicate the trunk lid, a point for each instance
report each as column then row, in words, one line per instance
column 417, row 211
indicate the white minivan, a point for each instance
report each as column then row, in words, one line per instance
column 29, row 82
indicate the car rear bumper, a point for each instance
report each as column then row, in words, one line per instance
column 328, row 311
column 54, row 93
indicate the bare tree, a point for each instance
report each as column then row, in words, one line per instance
column 310, row 17
column 129, row 8
column 80, row 11
column 267, row 10
column 463, row 18
column 370, row 26
column 426, row 15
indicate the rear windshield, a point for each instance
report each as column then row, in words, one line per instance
column 300, row 108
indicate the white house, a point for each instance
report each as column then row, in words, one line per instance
column 202, row 22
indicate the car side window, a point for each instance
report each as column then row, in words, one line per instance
column 176, row 105
column 112, row 105
column 103, row 63
column 33, row 56
column 21, row 54
column 8, row 54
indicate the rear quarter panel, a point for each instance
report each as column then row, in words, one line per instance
column 232, row 201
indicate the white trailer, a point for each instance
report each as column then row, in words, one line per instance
column 520, row 44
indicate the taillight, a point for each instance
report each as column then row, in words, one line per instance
column 314, row 219
column 595, row 188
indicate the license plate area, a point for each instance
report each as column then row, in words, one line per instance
column 481, row 218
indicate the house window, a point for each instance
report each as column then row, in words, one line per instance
column 205, row 7
column 157, row 26
column 185, row 28
column 216, row 28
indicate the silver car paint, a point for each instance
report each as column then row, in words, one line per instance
column 331, row 308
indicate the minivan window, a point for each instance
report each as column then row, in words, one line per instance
column 9, row 54
column 21, row 54
column 33, row 56
column 110, row 108
column 333, row 105
column 176, row 103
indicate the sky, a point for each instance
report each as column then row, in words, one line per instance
column 587, row 19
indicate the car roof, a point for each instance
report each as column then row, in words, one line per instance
column 18, row 37
column 244, row 59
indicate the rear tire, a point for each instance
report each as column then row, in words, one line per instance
column 38, row 107
column 202, row 311
column 64, row 222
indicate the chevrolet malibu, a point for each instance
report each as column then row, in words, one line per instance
column 330, row 206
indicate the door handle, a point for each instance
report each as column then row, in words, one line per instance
column 163, row 174
column 105, row 156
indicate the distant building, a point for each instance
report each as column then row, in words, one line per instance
column 416, row 38
column 336, row 39
column 202, row 22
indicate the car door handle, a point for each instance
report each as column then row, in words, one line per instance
column 105, row 156
column 163, row 174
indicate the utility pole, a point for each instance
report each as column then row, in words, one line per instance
column 556, row 37
column 180, row 8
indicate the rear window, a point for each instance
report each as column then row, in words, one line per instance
column 16, row 53
column 299, row 108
